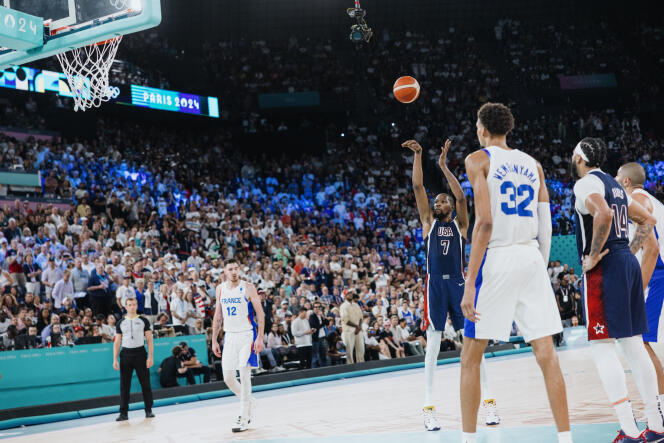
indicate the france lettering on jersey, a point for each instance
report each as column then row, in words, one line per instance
column 237, row 309
column 613, row 289
column 444, row 284
column 514, row 184
column 655, row 292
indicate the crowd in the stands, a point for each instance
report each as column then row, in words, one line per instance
column 153, row 212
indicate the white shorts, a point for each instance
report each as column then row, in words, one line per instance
column 513, row 285
column 238, row 351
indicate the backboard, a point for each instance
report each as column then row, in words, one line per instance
column 70, row 24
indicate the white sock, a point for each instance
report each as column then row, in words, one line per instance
column 645, row 376
column 430, row 361
column 245, row 392
column 232, row 383
column 612, row 375
column 565, row 437
column 484, row 382
column 468, row 437
column 626, row 419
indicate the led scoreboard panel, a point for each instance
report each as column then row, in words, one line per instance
column 41, row 81
column 173, row 101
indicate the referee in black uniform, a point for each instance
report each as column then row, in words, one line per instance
column 131, row 334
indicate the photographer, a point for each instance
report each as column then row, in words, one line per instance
column 171, row 368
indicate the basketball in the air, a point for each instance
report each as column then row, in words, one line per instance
column 406, row 89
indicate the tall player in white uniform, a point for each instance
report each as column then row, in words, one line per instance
column 237, row 304
column 507, row 278
column 632, row 177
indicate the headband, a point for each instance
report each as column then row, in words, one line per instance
column 580, row 152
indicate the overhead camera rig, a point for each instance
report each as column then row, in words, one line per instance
column 360, row 31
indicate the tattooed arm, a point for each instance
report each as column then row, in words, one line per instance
column 644, row 237
column 602, row 219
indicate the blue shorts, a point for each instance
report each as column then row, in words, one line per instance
column 613, row 292
column 654, row 303
column 443, row 296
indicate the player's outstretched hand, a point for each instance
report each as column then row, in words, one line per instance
column 258, row 345
column 468, row 303
column 413, row 145
column 442, row 160
column 590, row 261
column 216, row 349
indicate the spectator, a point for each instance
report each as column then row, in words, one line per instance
column 98, row 288
column 302, row 333
column 124, row 292
column 415, row 346
column 51, row 276
column 48, row 330
column 171, row 368
column 376, row 350
column 63, row 289
column 351, row 318
column 317, row 322
column 80, row 278
column 32, row 274
column 5, row 321
column 335, row 349
column 190, row 361
column 387, row 335
column 276, row 345
column 55, row 338
column 179, row 310
column 566, row 301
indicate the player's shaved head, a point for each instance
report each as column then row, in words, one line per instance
column 635, row 173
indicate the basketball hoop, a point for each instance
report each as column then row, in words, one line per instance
column 87, row 70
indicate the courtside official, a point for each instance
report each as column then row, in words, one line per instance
column 131, row 334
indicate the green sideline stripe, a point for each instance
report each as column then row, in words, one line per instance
column 73, row 415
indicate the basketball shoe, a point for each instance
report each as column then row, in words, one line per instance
column 651, row 436
column 241, row 426
column 430, row 421
column 623, row 438
column 492, row 418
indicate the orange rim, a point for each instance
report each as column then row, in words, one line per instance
column 106, row 41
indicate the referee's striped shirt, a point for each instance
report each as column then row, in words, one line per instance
column 133, row 331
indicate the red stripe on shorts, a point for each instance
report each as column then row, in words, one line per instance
column 597, row 327
column 425, row 323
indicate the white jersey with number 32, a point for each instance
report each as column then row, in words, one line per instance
column 236, row 308
column 514, row 185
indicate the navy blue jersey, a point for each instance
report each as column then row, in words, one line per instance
column 444, row 246
column 616, row 198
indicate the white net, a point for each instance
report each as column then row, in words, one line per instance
column 87, row 71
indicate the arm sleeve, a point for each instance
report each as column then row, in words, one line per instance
column 118, row 329
column 544, row 230
column 147, row 324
